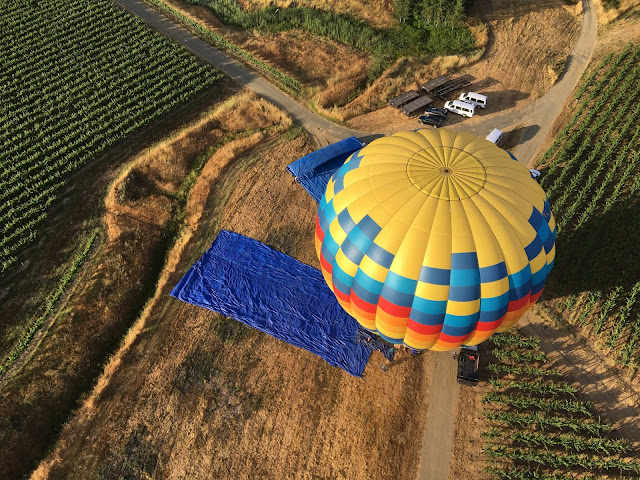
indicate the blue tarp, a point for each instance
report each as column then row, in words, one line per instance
column 313, row 171
column 244, row 279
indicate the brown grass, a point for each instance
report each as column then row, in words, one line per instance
column 377, row 13
column 608, row 15
column 193, row 395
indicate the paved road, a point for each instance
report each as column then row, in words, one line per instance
column 537, row 117
column 323, row 131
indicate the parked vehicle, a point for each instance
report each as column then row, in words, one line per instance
column 535, row 174
column 461, row 108
column 437, row 111
column 495, row 136
column 475, row 98
column 434, row 120
column 468, row 363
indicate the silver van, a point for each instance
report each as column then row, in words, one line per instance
column 461, row 108
column 495, row 136
column 477, row 99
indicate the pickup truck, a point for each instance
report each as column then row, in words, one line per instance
column 468, row 362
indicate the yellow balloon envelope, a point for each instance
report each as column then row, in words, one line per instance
column 435, row 238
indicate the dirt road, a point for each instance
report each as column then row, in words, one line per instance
column 323, row 131
column 539, row 116
column 538, row 119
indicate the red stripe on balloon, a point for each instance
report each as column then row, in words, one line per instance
column 393, row 309
column 536, row 296
column 341, row 296
column 518, row 304
column 326, row 266
column 319, row 232
column 486, row 326
column 423, row 329
column 363, row 304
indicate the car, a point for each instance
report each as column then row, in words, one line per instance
column 434, row 120
column 468, row 363
column 437, row 111
column 535, row 174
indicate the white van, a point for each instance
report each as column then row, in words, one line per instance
column 495, row 136
column 461, row 108
column 475, row 98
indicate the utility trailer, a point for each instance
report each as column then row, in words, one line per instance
column 468, row 362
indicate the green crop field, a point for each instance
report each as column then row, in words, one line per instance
column 592, row 177
column 538, row 428
column 75, row 77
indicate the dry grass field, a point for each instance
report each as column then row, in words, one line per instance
column 377, row 13
column 526, row 46
column 191, row 394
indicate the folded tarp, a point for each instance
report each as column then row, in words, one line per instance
column 313, row 171
column 244, row 279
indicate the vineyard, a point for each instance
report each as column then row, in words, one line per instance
column 76, row 77
column 591, row 173
column 538, row 427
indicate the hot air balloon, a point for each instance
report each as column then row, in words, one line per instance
column 434, row 238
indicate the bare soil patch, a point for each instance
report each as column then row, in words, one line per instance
column 528, row 43
column 194, row 395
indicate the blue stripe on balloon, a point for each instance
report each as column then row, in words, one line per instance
column 493, row 273
column 464, row 293
column 358, row 238
column 464, row 260
column 390, row 339
column 430, row 319
column 490, row 304
column 401, row 283
column 326, row 216
column 395, row 297
column 537, row 287
column 345, row 221
column 465, row 278
column 352, row 252
column 546, row 211
column 548, row 243
column 353, row 163
column 533, row 249
column 536, row 219
column 429, row 307
column 339, row 284
column 338, row 185
column 369, row 227
column 329, row 248
column 369, row 284
column 379, row 255
column 456, row 331
column 487, row 316
column 337, row 274
column 365, row 294
column 461, row 320
column 435, row 276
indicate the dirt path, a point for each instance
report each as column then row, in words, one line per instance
column 323, row 131
column 538, row 119
column 436, row 444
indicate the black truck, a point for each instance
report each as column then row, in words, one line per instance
column 468, row 361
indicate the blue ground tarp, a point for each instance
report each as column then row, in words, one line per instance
column 244, row 279
column 313, row 171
